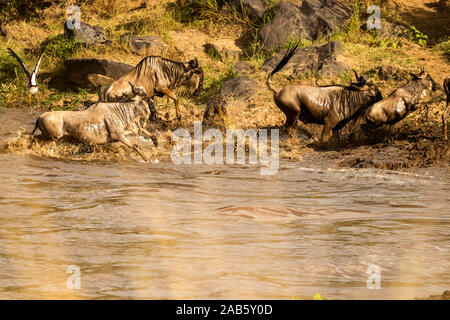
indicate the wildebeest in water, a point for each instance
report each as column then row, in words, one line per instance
column 100, row 123
column 326, row 105
column 402, row 101
column 158, row 77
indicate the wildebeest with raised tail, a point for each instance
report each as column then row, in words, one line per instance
column 402, row 101
column 158, row 76
column 446, row 86
column 326, row 105
column 100, row 123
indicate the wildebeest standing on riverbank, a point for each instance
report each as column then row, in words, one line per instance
column 326, row 105
column 401, row 101
column 158, row 76
column 100, row 123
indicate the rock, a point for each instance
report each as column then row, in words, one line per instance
column 328, row 67
column 86, row 34
column 227, row 113
column 232, row 108
column 222, row 50
column 386, row 72
column 216, row 114
column 78, row 71
column 243, row 69
column 255, row 9
column 242, row 87
column 5, row 31
column 309, row 21
column 146, row 45
column 314, row 59
column 387, row 29
column 98, row 80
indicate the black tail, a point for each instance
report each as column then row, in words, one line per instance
column 287, row 56
column 35, row 127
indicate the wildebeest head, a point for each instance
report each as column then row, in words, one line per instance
column 137, row 93
column 425, row 80
column 193, row 77
column 363, row 83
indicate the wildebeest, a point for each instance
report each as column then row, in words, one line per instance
column 401, row 101
column 100, row 123
column 446, row 86
column 158, row 76
column 326, row 105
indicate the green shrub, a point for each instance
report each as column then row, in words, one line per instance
column 417, row 36
column 60, row 46
column 444, row 48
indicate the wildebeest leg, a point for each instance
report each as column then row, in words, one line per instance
column 329, row 123
column 151, row 106
column 289, row 112
column 37, row 123
column 152, row 136
column 172, row 96
column 291, row 121
column 131, row 145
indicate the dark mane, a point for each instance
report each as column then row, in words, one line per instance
column 174, row 69
column 348, row 101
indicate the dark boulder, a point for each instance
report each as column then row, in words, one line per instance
column 145, row 45
column 216, row 114
column 243, row 69
column 242, row 87
column 387, row 29
column 222, row 49
column 314, row 59
column 81, row 71
column 308, row 21
column 387, row 72
column 255, row 9
column 86, row 34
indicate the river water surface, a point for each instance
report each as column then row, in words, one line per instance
column 143, row 230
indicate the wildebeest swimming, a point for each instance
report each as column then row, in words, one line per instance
column 158, row 76
column 326, row 105
column 100, row 123
column 401, row 101
column 446, row 86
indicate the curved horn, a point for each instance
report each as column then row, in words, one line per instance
column 133, row 88
column 356, row 74
column 415, row 76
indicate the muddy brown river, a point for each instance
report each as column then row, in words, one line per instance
column 159, row 230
